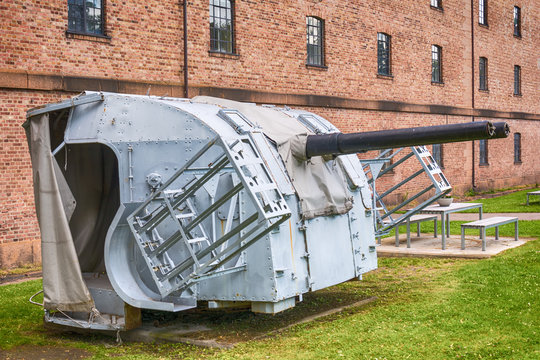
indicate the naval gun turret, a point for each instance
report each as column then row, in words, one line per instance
column 159, row 203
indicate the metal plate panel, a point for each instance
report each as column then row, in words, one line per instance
column 331, row 254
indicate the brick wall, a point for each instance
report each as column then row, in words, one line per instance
column 143, row 52
column 145, row 43
column 503, row 50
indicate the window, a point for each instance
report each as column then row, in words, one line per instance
column 222, row 26
column 383, row 54
column 517, row 80
column 436, row 4
column 86, row 17
column 517, row 148
column 387, row 154
column 438, row 154
column 517, row 21
column 315, row 41
column 482, row 12
column 436, row 61
column 482, row 69
column 483, row 152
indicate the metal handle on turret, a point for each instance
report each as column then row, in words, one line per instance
column 339, row 143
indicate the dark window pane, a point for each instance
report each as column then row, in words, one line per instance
column 438, row 154
column 221, row 26
column 436, row 72
column 85, row 16
column 386, row 154
column 76, row 15
column 315, row 38
column 483, row 73
column 483, row 152
column 383, row 54
column 482, row 12
column 517, row 80
column 517, row 21
column 517, row 147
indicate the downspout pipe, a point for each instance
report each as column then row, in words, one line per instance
column 472, row 93
column 186, row 70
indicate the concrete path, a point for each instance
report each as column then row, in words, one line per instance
column 474, row 216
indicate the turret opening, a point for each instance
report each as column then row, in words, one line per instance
column 91, row 173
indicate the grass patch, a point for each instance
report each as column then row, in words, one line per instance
column 20, row 270
column 479, row 309
column 510, row 203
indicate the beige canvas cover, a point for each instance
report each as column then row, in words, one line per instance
column 63, row 285
column 319, row 183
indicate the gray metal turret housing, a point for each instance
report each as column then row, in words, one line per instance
column 172, row 201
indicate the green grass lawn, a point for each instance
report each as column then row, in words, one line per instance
column 427, row 309
column 512, row 203
column 463, row 309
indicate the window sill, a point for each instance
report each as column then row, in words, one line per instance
column 484, row 91
column 437, row 83
column 483, row 164
column 438, row 8
column 518, row 95
column 223, row 55
column 517, row 36
column 317, row 67
column 88, row 37
column 517, row 162
column 485, row 26
column 386, row 77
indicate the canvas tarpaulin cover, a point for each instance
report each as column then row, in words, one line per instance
column 63, row 285
column 319, row 183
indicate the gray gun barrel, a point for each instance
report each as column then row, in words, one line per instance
column 339, row 143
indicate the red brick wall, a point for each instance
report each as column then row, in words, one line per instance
column 146, row 44
column 272, row 58
column 146, row 41
column 498, row 44
column 502, row 171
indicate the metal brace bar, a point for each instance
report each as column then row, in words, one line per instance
column 80, row 100
column 240, row 249
column 248, row 243
column 181, row 229
column 412, row 212
column 162, row 214
column 177, row 235
column 175, row 176
column 408, row 201
column 215, row 206
column 390, row 167
column 185, row 264
column 395, row 187
column 213, row 274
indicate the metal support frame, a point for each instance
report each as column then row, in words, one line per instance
column 383, row 220
column 206, row 256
